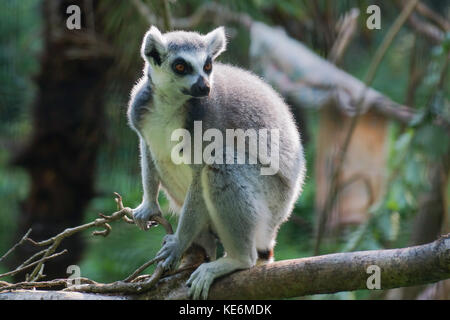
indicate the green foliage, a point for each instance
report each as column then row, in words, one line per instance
column 19, row 42
column 18, row 45
column 13, row 189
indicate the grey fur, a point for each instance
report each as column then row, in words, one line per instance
column 241, row 206
column 142, row 96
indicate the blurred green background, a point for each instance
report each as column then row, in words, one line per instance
column 411, row 148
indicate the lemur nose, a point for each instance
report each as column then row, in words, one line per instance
column 201, row 88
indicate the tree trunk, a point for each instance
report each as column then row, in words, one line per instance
column 67, row 129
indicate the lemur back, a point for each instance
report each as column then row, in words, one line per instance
column 182, row 89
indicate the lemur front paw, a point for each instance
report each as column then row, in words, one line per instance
column 170, row 252
column 200, row 281
column 143, row 214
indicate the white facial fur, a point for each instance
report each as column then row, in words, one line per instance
column 166, row 79
column 155, row 49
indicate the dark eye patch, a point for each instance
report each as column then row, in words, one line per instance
column 207, row 67
column 181, row 67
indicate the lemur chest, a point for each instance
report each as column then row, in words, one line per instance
column 157, row 128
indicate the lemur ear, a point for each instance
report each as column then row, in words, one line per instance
column 216, row 42
column 154, row 46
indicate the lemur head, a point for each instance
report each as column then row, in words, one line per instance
column 182, row 62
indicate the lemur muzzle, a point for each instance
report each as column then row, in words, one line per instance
column 201, row 88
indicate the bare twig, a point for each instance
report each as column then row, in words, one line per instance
column 431, row 33
column 39, row 262
column 133, row 284
column 140, row 269
column 24, row 238
column 167, row 16
column 134, row 277
column 123, row 213
column 32, row 258
column 439, row 20
column 146, row 284
column 121, row 286
column 5, row 286
column 346, row 32
column 145, row 12
column 55, row 241
column 210, row 11
column 216, row 12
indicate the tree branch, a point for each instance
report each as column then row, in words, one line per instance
column 428, row 30
column 54, row 242
column 299, row 277
column 346, row 32
column 439, row 20
column 312, row 82
column 24, row 238
column 39, row 263
column 210, row 11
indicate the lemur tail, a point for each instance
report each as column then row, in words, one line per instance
column 265, row 256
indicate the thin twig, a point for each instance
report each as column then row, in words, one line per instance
column 346, row 32
column 125, row 284
column 5, row 286
column 121, row 286
column 167, row 16
column 145, row 12
column 170, row 273
column 55, row 241
column 431, row 32
column 439, row 20
column 39, row 262
column 140, row 269
column 213, row 11
column 33, row 257
column 24, row 238
column 210, row 11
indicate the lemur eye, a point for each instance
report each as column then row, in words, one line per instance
column 180, row 67
column 207, row 67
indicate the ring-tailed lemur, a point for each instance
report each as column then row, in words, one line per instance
column 244, row 209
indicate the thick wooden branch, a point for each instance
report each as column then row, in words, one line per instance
column 55, row 295
column 312, row 82
column 299, row 277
